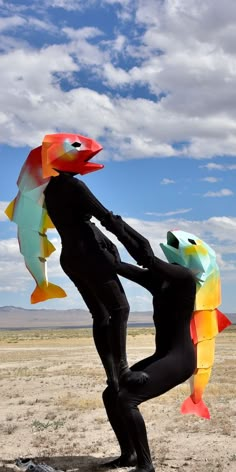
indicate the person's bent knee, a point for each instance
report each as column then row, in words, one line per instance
column 106, row 395
column 123, row 313
column 109, row 397
column 125, row 401
column 100, row 321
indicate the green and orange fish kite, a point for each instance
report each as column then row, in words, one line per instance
column 59, row 152
column 207, row 321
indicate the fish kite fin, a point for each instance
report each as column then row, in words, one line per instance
column 47, row 291
column 222, row 321
column 10, row 209
column 198, row 409
column 50, row 248
column 48, row 222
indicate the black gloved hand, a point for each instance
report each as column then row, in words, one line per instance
column 114, row 224
column 107, row 245
column 130, row 377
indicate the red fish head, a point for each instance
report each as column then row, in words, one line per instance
column 68, row 153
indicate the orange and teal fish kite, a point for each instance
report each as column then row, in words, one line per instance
column 207, row 321
column 59, row 152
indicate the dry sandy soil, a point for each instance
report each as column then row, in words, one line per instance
column 51, row 407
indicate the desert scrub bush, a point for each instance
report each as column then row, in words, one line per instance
column 51, row 425
column 100, row 420
column 9, row 428
column 51, row 415
column 9, row 417
column 21, row 401
column 72, row 428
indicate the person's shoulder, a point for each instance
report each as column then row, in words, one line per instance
column 78, row 184
column 187, row 274
column 190, row 278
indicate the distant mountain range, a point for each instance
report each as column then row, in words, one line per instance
column 12, row 317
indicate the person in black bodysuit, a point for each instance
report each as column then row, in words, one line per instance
column 89, row 259
column 173, row 288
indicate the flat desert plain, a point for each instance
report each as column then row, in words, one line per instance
column 52, row 411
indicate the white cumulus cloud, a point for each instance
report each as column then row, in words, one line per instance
column 183, row 56
column 224, row 192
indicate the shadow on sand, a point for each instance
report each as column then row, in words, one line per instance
column 63, row 463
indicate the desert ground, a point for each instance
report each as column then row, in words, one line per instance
column 52, row 411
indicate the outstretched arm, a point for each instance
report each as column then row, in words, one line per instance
column 137, row 246
column 136, row 274
column 140, row 249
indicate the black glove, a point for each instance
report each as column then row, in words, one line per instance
column 133, row 378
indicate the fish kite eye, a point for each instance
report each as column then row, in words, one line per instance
column 192, row 241
column 76, row 144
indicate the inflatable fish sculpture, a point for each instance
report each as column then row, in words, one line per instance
column 59, row 152
column 207, row 321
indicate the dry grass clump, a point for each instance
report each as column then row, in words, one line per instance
column 79, row 403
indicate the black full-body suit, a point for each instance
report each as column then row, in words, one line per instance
column 173, row 288
column 89, row 259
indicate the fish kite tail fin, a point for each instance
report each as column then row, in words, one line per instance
column 47, row 291
column 198, row 409
column 9, row 211
column 222, row 320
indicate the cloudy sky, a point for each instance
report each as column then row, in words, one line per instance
column 154, row 82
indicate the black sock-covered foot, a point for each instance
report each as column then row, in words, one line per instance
column 124, row 460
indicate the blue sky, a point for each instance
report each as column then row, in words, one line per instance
column 154, row 82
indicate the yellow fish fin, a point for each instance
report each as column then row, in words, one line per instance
column 50, row 248
column 48, row 222
column 47, row 291
column 10, row 209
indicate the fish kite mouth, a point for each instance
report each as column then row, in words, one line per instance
column 172, row 240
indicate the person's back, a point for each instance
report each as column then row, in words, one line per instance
column 173, row 305
column 70, row 205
